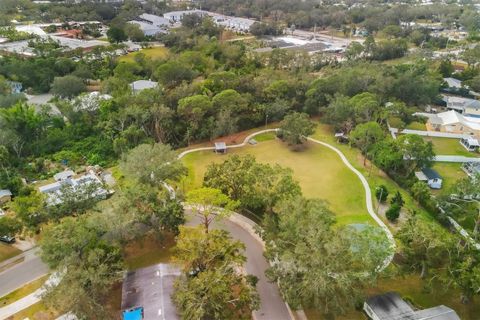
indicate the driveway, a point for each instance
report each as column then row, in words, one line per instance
column 272, row 306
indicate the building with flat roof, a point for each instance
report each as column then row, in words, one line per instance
column 390, row 306
column 147, row 292
column 148, row 29
column 154, row 20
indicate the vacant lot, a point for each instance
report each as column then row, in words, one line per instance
column 152, row 53
column 320, row 172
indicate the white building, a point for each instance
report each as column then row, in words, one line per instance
column 54, row 191
column 177, row 16
column 148, row 29
column 141, row 85
column 431, row 177
column 157, row 21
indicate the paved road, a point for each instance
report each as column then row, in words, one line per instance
column 22, row 273
column 272, row 306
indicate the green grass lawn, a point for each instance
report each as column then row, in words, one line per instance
column 8, row 251
column 152, row 53
column 450, row 172
column 319, row 171
column 35, row 311
column 416, row 126
column 447, row 146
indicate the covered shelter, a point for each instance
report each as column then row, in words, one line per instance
column 220, row 147
column 470, row 143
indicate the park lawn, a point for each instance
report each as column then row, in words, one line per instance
column 448, row 146
column 152, row 53
column 8, row 251
column 319, row 171
column 450, row 172
column 374, row 175
column 23, row 291
column 148, row 251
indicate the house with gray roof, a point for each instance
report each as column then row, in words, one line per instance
column 465, row 106
column 390, row 306
column 155, row 20
column 147, row 28
column 431, row 177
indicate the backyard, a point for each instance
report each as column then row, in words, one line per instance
column 449, row 146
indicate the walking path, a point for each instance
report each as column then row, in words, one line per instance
column 366, row 186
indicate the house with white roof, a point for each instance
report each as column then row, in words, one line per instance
column 141, row 85
column 147, row 28
column 453, row 83
column 155, row 20
column 454, row 122
column 88, row 186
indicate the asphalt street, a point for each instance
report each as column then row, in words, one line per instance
column 29, row 269
column 272, row 306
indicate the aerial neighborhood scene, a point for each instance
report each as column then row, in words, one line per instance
column 240, row 159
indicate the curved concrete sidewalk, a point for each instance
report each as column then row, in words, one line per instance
column 366, row 186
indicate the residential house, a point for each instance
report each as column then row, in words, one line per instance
column 55, row 191
column 453, row 83
column 390, row 306
column 431, row 177
column 147, row 292
column 5, row 196
column 465, row 106
column 453, row 122
column 141, row 85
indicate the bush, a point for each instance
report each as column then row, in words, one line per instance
column 393, row 212
column 381, row 193
column 397, row 199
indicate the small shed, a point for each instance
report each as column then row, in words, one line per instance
column 431, row 177
column 5, row 196
column 469, row 143
column 220, row 147
column 341, row 137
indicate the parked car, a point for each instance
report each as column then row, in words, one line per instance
column 7, row 239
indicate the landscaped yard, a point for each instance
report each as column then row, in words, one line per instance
column 448, row 146
column 152, row 53
column 36, row 311
column 8, row 251
column 320, row 172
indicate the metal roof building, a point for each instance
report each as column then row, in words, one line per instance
column 390, row 306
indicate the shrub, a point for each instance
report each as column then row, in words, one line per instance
column 381, row 193
column 393, row 212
